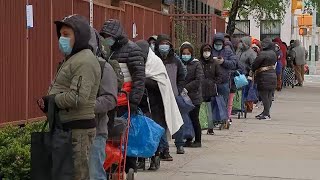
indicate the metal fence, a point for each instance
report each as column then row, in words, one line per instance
column 29, row 56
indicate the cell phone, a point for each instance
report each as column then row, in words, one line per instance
column 215, row 58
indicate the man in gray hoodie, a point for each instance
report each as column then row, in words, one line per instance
column 105, row 102
column 298, row 54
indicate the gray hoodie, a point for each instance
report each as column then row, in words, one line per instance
column 299, row 53
column 107, row 98
column 246, row 55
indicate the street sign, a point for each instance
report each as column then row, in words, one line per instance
column 303, row 31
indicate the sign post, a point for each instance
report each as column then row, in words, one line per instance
column 91, row 13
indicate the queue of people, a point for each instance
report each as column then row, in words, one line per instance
column 86, row 93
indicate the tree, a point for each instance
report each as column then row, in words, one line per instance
column 259, row 9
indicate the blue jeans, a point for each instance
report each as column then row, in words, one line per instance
column 97, row 158
column 178, row 141
column 164, row 144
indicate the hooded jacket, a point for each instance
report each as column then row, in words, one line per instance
column 266, row 80
column 129, row 53
column 228, row 56
column 246, row 54
column 173, row 65
column 77, row 81
column 212, row 75
column 299, row 53
column 283, row 49
column 194, row 76
column 164, row 108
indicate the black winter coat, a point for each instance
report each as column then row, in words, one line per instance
column 193, row 81
column 266, row 80
column 126, row 51
column 212, row 77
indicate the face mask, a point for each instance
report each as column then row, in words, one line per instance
column 110, row 41
column 186, row 58
column 164, row 49
column 206, row 54
column 218, row 47
column 64, row 45
column 152, row 47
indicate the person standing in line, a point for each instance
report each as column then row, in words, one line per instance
column 265, row 76
column 75, row 89
column 212, row 77
column 132, row 64
column 227, row 61
column 164, row 50
column 298, row 54
column 193, row 86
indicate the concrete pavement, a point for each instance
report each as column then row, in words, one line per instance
column 285, row 148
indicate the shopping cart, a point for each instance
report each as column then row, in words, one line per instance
column 116, row 148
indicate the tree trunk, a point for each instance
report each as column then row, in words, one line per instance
column 236, row 5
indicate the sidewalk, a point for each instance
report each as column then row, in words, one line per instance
column 287, row 147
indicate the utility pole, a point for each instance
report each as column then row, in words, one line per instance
column 313, row 67
column 91, row 12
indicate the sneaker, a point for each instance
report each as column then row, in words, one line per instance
column 196, row 145
column 210, row 132
column 265, row 118
column 165, row 156
column 154, row 163
column 180, row 150
column 258, row 116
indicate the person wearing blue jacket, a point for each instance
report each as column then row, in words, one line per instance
column 228, row 62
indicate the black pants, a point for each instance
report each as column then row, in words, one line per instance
column 266, row 97
column 194, row 116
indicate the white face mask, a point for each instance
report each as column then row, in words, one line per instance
column 206, row 54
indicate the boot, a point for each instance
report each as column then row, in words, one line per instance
column 165, row 156
column 154, row 163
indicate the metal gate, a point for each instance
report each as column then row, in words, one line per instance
column 197, row 29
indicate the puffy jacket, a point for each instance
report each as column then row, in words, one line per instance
column 246, row 55
column 173, row 65
column 228, row 56
column 194, row 76
column 129, row 53
column 77, row 81
column 266, row 80
column 212, row 75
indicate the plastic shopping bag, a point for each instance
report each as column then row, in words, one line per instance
column 144, row 136
column 240, row 80
column 219, row 108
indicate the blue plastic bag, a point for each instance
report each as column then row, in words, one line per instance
column 188, row 131
column 219, row 108
column 144, row 136
column 252, row 94
column 240, row 80
column 184, row 103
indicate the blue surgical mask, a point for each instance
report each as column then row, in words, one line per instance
column 64, row 45
column 110, row 41
column 186, row 58
column 164, row 48
column 218, row 47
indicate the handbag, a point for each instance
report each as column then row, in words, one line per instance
column 252, row 93
column 240, row 80
column 184, row 103
column 219, row 108
column 51, row 152
column 144, row 136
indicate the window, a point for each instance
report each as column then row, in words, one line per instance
column 269, row 28
column 242, row 28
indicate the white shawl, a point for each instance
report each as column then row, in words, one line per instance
column 156, row 70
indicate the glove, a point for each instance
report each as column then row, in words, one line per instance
column 43, row 102
column 220, row 60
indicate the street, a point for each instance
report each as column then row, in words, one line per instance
column 287, row 147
